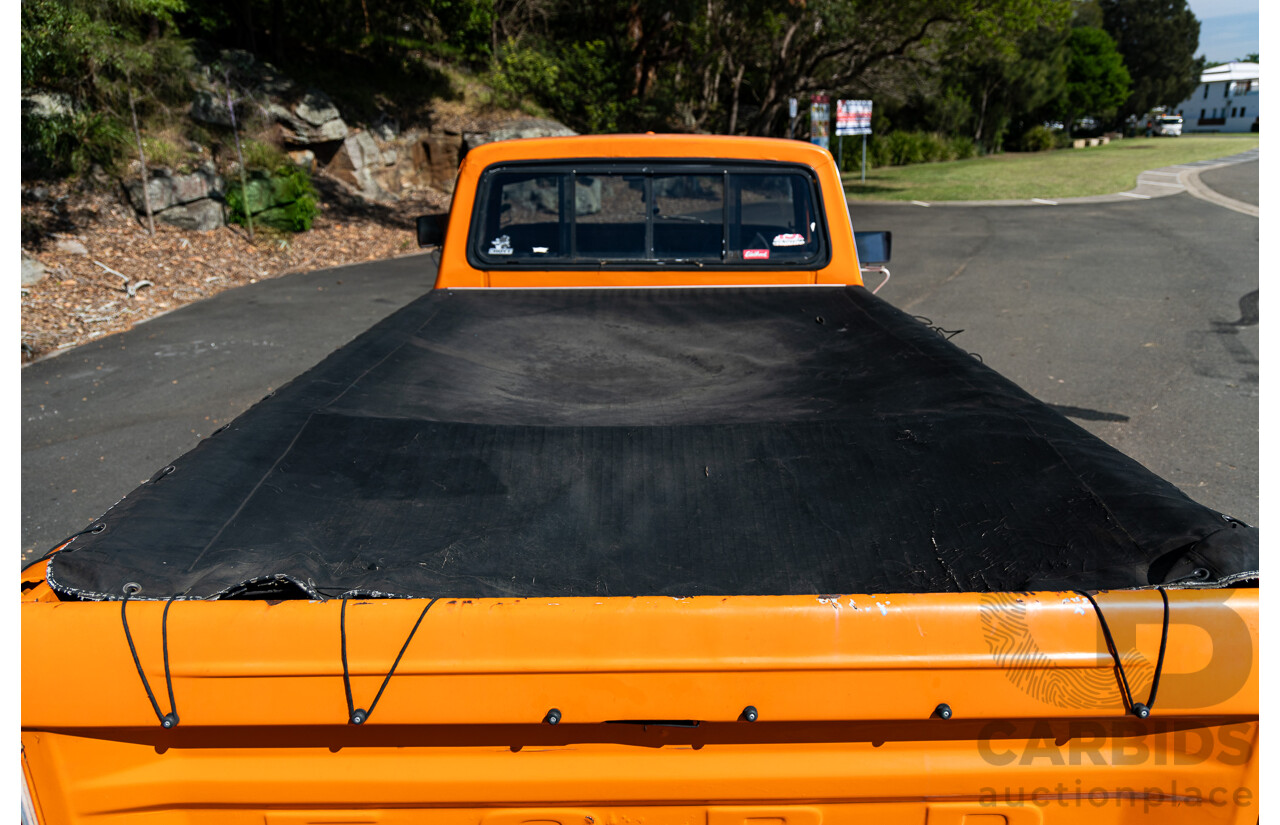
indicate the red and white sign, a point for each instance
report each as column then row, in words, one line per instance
column 755, row 254
column 853, row 117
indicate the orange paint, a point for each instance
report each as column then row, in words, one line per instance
column 455, row 271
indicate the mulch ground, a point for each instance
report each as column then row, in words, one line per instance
column 100, row 257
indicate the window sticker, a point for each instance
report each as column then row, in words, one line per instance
column 755, row 254
column 501, row 245
column 540, row 250
column 788, row 239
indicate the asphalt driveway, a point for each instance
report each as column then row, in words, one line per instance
column 1138, row 319
column 1239, row 181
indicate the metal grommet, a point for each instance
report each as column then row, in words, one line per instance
column 98, row 528
column 132, row 588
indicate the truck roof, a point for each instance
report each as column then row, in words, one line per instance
column 651, row 145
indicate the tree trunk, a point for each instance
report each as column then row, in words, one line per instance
column 244, row 179
column 142, row 157
column 635, row 33
column 737, row 85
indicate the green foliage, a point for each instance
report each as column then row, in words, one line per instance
column 1038, row 139
column 1097, row 80
column 1158, row 40
column 962, row 148
column 72, row 143
column 102, row 55
column 578, row 83
column 284, row 199
column 262, row 156
column 162, row 152
column 903, row 148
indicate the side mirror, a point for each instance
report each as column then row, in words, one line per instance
column 431, row 229
column 873, row 247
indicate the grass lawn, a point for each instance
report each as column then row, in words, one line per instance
column 1060, row 173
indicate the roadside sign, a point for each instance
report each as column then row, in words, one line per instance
column 793, row 107
column 853, row 117
column 820, row 120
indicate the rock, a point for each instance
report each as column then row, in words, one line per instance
column 316, row 108
column 355, row 162
column 304, row 158
column 435, row 161
column 33, row 272
column 533, row 127
column 299, row 129
column 202, row 215
column 48, row 104
column 363, row 151
column 71, row 246
column 538, row 195
column 203, row 183
column 387, row 179
column 386, row 128
column 159, row 188
column 167, row 189
column 210, row 108
column 543, row 195
column 588, row 194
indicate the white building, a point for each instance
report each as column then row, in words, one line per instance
column 1225, row 101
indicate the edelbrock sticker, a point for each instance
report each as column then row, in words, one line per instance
column 788, row 239
column 755, row 254
column 501, row 245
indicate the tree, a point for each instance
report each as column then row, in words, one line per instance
column 1097, row 80
column 1158, row 40
column 110, row 58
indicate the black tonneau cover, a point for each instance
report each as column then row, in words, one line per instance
column 629, row 442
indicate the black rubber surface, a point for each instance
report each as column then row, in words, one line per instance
column 650, row 442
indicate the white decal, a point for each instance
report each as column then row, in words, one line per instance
column 755, row 254
column 501, row 245
column 789, row 239
column 540, row 250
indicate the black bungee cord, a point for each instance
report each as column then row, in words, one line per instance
column 170, row 719
column 1138, row 709
column 358, row 716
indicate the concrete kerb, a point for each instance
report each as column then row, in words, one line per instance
column 1153, row 183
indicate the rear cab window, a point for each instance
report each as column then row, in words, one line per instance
column 648, row 215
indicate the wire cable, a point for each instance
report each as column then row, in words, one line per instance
column 358, row 716
column 169, row 720
column 1138, row 709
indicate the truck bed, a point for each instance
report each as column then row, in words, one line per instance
column 650, row 442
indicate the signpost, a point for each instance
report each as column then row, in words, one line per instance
column 853, row 117
column 793, row 108
column 820, row 120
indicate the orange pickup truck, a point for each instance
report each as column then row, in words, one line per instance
column 649, row 512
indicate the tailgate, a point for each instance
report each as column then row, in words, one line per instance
column 653, row 698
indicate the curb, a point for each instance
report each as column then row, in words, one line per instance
column 1153, row 183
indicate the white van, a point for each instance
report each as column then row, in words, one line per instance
column 1164, row 125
